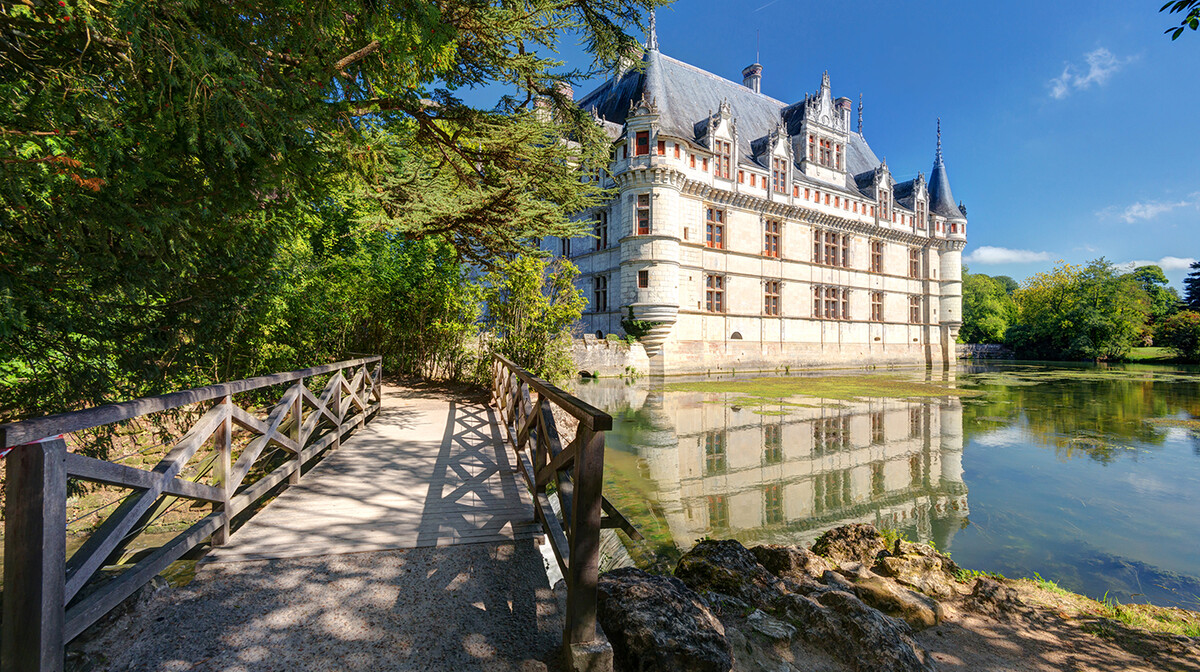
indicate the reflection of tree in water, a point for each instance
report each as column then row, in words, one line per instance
column 1085, row 412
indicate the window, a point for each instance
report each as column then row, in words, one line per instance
column 714, row 453
column 723, row 159
column 837, row 201
column 877, row 306
column 642, row 145
column 741, row 177
column 600, row 292
column 692, row 160
column 643, row 279
column 914, row 262
column 600, row 229
column 812, row 148
column 876, row 256
column 953, row 227
column 677, row 150
column 915, row 423
column 795, row 191
column 625, row 151
column 877, row 427
column 714, row 293
column 826, row 199
column 831, row 303
column 831, row 249
column 566, row 247
column 643, row 214
column 885, row 202
column 753, row 180
column 856, row 206
column 714, row 228
column 704, row 165
column 806, row 194
column 771, row 298
column 772, row 444
column 718, row 512
column 662, row 147
column 772, row 504
column 914, row 309
column 838, row 160
column 831, row 434
column 779, row 175
column 771, row 238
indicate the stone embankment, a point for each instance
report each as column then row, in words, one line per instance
column 853, row 602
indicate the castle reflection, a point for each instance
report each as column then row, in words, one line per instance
column 706, row 467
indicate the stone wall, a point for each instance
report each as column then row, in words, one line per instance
column 602, row 357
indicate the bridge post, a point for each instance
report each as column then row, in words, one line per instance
column 585, row 649
column 223, row 443
column 297, row 431
column 35, row 557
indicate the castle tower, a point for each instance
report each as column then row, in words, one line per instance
column 942, row 206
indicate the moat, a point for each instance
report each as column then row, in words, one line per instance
column 1088, row 476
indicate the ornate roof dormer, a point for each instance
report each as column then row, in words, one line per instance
column 820, row 109
column 642, row 108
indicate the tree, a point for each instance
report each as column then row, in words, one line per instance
column 1007, row 283
column 1181, row 333
column 987, row 310
column 1191, row 16
column 1079, row 312
column 1164, row 300
column 531, row 304
column 1191, row 287
column 165, row 163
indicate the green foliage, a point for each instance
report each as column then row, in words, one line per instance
column 1079, row 313
column 1181, row 333
column 1191, row 287
column 636, row 329
column 987, row 308
column 531, row 304
column 1163, row 298
column 196, row 191
column 1191, row 16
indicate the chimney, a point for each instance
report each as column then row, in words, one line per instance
column 845, row 106
column 752, row 77
column 565, row 90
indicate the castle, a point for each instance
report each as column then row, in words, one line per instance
column 756, row 234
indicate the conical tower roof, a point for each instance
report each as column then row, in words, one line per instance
column 941, row 200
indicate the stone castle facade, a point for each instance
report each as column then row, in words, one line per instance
column 758, row 234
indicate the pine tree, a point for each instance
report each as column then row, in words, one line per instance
column 1191, row 287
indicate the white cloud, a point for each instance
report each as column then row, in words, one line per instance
column 1003, row 255
column 1166, row 263
column 1101, row 65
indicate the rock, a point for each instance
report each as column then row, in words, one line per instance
column 918, row 611
column 773, row 628
column 925, row 573
column 995, row 599
column 727, row 567
column 858, row 542
column 837, row 581
column 789, row 562
column 855, row 633
column 655, row 623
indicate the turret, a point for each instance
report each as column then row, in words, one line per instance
column 942, row 206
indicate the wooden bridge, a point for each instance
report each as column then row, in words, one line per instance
column 335, row 465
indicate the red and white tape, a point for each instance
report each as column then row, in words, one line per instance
column 4, row 453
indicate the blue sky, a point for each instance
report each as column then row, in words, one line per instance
column 1068, row 128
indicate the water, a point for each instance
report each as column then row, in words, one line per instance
column 1086, row 476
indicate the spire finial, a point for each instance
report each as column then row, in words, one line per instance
column 860, row 114
column 652, row 37
column 939, row 142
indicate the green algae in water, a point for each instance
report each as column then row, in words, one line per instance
column 845, row 388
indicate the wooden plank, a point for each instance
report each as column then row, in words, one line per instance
column 91, row 555
column 252, row 450
column 111, row 473
column 588, row 415
column 92, row 607
column 545, row 514
column 35, row 540
column 223, row 472
column 584, row 570
column 617, row 520
column 33, row 429
column 297, row 430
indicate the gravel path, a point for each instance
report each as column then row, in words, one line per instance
column 468, row 607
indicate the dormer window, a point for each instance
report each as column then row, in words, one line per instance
column 884, row 204
column 921, row 215
column 642, row 144
column 779, row 175
column 724, row 158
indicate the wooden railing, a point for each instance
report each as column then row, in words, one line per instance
column 577, row 472
column 41, row 613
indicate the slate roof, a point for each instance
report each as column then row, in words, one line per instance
column 941, row 201
column 687, row 96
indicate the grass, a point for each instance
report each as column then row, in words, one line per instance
column 1152, row 356
column 1048, row 585
column 845, row 388
column 1149, row 617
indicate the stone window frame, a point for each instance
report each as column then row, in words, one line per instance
column 831, row 248
column 715, row 287
column 772, row 504
column 643, row 279
column 661, row 148
column 714, row 227
column 641, row 140
column 914, row 263
column 600, row 293
column 772, row 297
column 722, row 159
column 831, row 302
column 772, row 238
column 600, row 230
column 877, row 306
column 716, row 452
column 779, row 174
column 915, row 302
column 642, row 214
column 877, row 248
column 566, row 247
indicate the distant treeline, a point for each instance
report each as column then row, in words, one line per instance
column 1095, row 311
